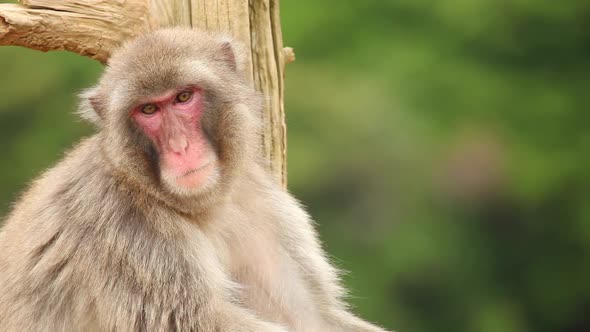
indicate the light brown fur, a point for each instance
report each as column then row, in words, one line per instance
column 98, row 243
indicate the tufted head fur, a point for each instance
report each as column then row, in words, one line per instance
column 170, row 60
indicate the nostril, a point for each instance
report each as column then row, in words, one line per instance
column 178, row 144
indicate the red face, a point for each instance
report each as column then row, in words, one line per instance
column 172, row 121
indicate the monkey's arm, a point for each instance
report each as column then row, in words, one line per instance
column 88, row 289
column 301, row 241
column 187, row 295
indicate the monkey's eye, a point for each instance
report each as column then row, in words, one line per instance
column 183, row 97
column 149, row 109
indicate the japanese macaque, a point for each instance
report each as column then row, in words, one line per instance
column 167, row 218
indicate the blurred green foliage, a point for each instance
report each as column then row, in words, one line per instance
column 442, row 148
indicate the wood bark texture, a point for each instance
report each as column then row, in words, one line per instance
column 93, row 28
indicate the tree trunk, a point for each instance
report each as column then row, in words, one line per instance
column 94, row 28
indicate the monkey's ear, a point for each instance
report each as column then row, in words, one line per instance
column 232, row 54
column 91, row 107
column 228, row 55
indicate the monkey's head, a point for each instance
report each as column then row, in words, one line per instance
column 176, row 115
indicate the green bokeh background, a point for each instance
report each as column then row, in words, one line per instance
column 442, row 147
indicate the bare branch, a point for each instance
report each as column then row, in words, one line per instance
column 89, row 28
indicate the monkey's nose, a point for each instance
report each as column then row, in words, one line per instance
column 178, row 144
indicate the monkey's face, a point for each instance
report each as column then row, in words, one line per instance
column 172, row 121
column 175, row 113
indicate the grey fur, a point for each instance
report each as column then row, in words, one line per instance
column 98, row 243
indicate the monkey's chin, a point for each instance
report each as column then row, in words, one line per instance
column 192, row 182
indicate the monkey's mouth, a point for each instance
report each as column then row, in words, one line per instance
column 194, row 170
column 195, row 178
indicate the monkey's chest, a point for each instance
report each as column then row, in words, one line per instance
column 273, row 285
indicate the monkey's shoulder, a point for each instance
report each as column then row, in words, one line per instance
column 74, row 191
column 262, row 198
